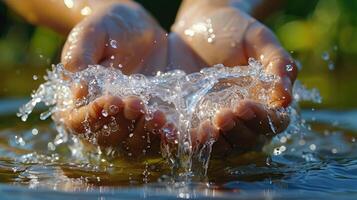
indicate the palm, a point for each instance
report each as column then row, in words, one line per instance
column 230, row 37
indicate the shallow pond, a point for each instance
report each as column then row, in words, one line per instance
column 317, row 163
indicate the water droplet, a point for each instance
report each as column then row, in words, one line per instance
column 19, row 140
column 334, row 151
column 51, row 146
column 325, row 56
column 69, row 3
column 289, row 68
column 268, row 161
column 45, row 115
column 312, row 147
column 113, row 109
column 24, row 118
column 279, row 150
column 283, row 139
column 331, row 65
column 113, row 44
column 34, row 131
column 86, row 11
column 105, row 113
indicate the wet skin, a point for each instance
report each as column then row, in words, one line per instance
column 144, row 47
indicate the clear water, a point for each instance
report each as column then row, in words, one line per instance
column 186, row 99
column 314, row 158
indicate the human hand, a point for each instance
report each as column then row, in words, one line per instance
column 225, row 34
column 119, row 35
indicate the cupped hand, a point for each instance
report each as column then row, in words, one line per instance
column 225, row 34
column 120, row 35
column 203, row 35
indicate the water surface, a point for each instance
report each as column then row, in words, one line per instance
column 319, row 162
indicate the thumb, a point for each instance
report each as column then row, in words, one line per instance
column 84, row 46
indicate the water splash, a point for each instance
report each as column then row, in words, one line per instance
column 186, row 99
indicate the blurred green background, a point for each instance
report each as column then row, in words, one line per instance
column 320, row 34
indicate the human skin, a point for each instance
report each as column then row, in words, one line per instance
column 248, row 125
column 142, row 44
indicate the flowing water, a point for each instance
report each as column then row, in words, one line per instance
column 314, row 158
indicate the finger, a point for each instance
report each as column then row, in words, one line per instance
column 157, row 121
column 91, row 116
column 234, row 131
column 261, row 43
column 115, row 133
column 224, row 120
column 221, row 147
column 134, row 107
column 240, row 136
column 260, row 119
column 206, row 132
column 79, row 93
column 169, row 134
column 84, row 46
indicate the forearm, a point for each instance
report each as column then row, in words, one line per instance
column 60, row 15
